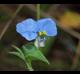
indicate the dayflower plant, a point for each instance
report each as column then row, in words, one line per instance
column 31, row 29
column 37, row 30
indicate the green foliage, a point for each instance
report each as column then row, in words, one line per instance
column 18, row 53
column 29, row 53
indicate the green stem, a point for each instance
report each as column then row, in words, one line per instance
column 38, row 11
column 29, row 66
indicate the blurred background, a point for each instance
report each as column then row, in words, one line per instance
column 63, row 51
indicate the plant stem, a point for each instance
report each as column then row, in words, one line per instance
column 38, row 11
column 28, row 65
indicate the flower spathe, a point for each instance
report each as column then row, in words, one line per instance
column 30, row 28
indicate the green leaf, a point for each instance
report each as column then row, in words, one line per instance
column 19, row 50
column 31, row 52
column 18, row 55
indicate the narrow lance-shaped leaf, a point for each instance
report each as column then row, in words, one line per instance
column 18, row 55
column 19, row 50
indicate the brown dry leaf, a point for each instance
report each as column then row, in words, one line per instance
column 70, row 20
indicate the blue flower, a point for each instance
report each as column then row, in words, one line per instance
column 30, row 28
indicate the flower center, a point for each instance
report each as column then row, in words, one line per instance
column 42, row 33
column 40, row 42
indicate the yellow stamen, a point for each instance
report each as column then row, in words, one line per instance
column 41, row 33
column 44, row 32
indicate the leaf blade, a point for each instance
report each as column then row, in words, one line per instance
column 32, row 52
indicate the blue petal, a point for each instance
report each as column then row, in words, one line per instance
column 47, row 25
column 26, row 25
column 29, row 35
